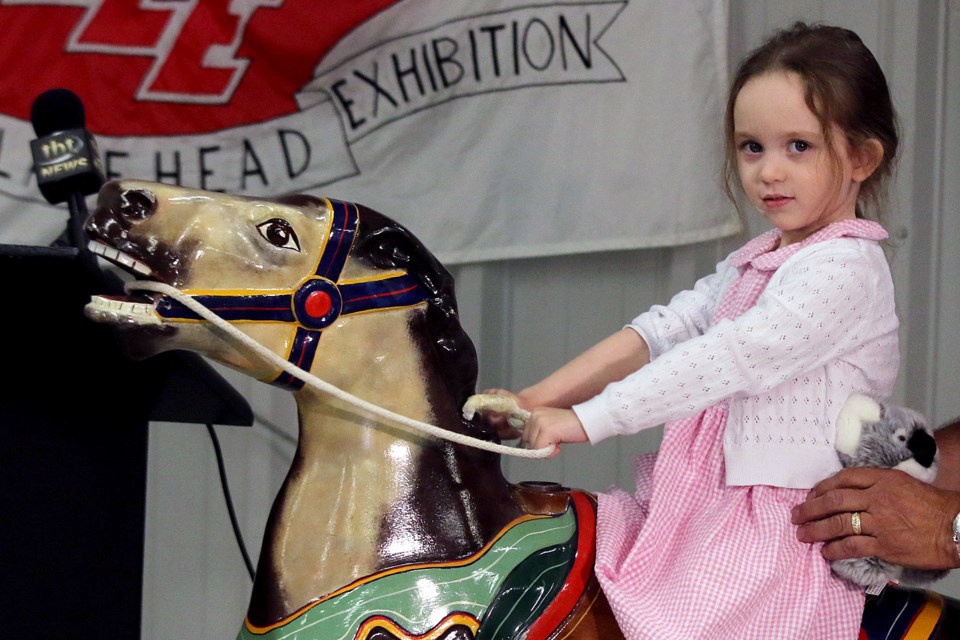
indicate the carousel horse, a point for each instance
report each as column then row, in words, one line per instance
column 378, row 532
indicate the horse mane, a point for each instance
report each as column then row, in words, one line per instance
column 386, row 244
column 451, row 369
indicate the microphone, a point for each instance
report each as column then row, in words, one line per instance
column 66, row 161
column 65, row 156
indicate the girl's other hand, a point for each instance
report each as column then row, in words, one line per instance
column 548, row 426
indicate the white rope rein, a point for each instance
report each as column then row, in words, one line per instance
column 332, row 390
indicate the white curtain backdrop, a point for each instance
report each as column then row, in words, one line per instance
column 559, row 134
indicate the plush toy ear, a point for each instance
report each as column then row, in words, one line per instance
column 855, row 411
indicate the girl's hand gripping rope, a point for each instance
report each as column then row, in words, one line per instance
column 543, row 427
column 500, row 409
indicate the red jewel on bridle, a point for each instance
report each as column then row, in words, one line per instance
column 318, row 304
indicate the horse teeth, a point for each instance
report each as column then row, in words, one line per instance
column 136, row 265
column 114, row 255
column 121, row 311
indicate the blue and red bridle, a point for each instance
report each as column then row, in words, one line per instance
column 317, row 302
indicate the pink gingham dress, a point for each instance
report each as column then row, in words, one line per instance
column 690, row 557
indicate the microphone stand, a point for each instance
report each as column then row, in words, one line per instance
column 77, row 203
column 75, row 238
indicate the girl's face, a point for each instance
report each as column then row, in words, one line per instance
column 786, row 167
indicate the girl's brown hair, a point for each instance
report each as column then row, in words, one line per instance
column 844, row 87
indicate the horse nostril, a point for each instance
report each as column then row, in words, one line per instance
column 137, row 204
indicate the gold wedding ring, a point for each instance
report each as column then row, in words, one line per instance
column 855, row 520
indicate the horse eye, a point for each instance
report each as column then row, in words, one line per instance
column 279, row 233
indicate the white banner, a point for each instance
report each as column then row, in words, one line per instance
column 491, row 128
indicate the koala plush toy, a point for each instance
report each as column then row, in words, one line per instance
column 875, row 434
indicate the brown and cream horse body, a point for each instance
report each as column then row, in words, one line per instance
column 354, row 298
column 377, row 533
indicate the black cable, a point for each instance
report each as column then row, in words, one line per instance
column 226, row 496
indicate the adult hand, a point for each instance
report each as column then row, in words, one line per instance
column 902, row 520
column 549, row 426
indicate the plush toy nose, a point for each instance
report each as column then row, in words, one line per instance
column 923, row 446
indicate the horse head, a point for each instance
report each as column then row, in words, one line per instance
column 284, row 270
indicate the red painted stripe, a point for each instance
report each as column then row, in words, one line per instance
column 383, row 294
column 576, row 584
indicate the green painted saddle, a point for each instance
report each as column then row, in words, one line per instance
column 523, row 584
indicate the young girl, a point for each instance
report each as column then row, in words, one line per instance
column 751, row 366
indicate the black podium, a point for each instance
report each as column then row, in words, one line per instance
column 74, row 414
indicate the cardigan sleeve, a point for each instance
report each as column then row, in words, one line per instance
column 688, row 314
column 818, row 306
